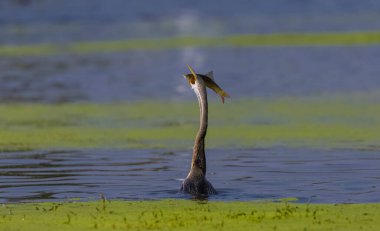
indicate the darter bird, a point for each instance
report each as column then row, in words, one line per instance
column 196, row 183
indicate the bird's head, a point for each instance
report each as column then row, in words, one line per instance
column 190, row 78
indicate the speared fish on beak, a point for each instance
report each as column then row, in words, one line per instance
column 209, row 82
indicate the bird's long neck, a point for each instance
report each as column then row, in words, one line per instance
column 199, row 157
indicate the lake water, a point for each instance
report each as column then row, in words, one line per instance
column 242, row 72
column 311, row 175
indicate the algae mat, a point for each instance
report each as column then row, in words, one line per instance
column 188, row 215
column 328, row 122
column 246, row 40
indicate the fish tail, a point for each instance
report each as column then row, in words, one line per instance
column 223, row 94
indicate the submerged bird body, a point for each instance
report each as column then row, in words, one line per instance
column 196, row 182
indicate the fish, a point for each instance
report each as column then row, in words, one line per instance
column 209, row 82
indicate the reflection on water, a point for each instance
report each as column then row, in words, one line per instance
column 318, row 176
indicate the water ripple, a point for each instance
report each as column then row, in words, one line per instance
column 317, row 176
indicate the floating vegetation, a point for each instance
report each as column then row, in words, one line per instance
column 246, row 40
column 188, row 215
column 330, row 122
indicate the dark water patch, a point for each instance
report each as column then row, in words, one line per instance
column 316, row 176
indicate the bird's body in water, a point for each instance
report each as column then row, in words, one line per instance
column 196, row 183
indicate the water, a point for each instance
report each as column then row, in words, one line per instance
column 97, row 19
column 245, row 72
column 316, row 176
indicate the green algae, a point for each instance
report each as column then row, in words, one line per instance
column 247, row 40
column 330, row 122
column 188, row 215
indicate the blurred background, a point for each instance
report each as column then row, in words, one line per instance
column 104, row 51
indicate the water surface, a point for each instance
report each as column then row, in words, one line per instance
column 311, row 175
column 244, row 72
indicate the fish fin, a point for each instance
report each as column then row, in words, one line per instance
column 192, row 71
column 210, row 74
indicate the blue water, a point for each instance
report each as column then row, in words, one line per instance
column 243, row 73
column 51, row 21
column 135, row 10
column 310, row 175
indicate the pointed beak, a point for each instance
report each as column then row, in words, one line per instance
column 192, row 72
